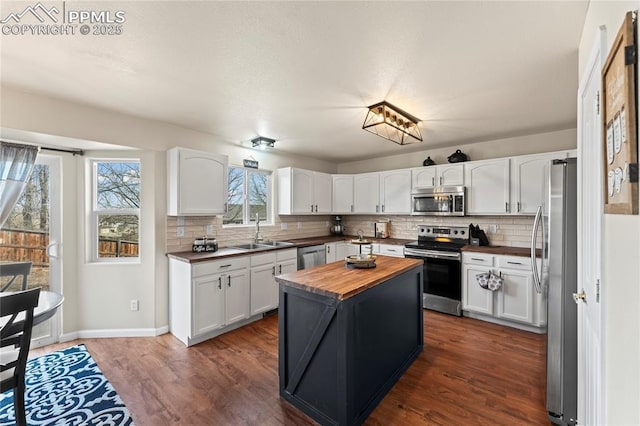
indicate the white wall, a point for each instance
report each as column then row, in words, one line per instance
column 532, row 144
column 96, row 295
column 621, row 269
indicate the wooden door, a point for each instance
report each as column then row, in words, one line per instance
column 590, row 200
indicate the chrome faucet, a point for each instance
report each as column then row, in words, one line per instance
column 258, row 234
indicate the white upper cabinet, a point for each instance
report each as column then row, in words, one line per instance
column 487, row 185
column 196, row 183
column 530, row 181
column 432, row 176
column 322, row 190
column 366, row 193
column 303, row 191
column 395, row 192
column 342, row 194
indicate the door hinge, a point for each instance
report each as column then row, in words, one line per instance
column 598, row 291
column 630, row 54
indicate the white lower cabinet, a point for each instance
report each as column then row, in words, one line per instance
column 389, row 250
column 236, row 296
column 515, row 303
column 208, row 304
column 330, row 252
column 264, row 267
column 207, row 299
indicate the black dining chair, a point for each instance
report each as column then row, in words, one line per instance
column 16, row 333
column 11, row 271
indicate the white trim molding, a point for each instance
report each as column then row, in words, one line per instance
column 105, row 334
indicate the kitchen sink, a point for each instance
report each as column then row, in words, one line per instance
column 275, row 243
column 251, row 246
column 261, row 246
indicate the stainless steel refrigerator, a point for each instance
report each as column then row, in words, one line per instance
column 557, row 278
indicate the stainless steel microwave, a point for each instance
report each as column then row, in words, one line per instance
column 439, row 201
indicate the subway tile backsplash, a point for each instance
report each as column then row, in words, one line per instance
column 195, row 227
column 514, row 231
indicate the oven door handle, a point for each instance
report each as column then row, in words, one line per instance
column 432, row 254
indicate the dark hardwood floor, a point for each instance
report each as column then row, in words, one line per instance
column 470, row 373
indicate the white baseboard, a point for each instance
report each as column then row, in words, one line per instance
column 125, row 332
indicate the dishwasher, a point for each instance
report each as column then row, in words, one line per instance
column 311, row 256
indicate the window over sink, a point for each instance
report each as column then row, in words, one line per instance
column 250, row 193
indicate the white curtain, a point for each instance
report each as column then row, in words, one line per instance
column 16, row 165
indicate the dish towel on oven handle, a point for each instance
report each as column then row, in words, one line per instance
column 490, row 281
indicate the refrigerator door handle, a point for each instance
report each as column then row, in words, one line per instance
column 534, row 233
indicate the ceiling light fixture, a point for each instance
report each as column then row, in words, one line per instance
column 263, row 143
column 390, row 122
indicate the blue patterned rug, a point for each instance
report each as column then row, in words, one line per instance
column 67, row 388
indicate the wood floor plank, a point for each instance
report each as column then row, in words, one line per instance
column 470, row 372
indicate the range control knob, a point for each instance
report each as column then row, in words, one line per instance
column 462, row 232
column 428, row 230
column 455, row 232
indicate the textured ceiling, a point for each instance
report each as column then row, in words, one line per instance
column 304, row 72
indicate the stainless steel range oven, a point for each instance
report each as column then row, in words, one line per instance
column 439, row 248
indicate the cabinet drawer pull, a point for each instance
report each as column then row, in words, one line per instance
column 229, row 280
column 316, row 208
column 226, row 266
column 393, row 250
column 280, row 269
column 440, row 180
column 220, row 283
column 273, row 270
column 311, row 208
column 479, row 260
column 433, row 181
column 518, row 206
column 514, row 263
column 506, row 207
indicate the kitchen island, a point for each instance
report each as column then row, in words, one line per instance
column 347, row 335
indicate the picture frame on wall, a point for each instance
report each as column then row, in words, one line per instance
column 619, row 123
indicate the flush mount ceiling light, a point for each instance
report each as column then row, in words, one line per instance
column 390, row 122
column 263, row 143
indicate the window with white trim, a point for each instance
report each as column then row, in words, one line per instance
column 250, row 193
column 115, row 215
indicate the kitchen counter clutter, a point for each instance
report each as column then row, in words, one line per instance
column 346, row 336
column 191, row 257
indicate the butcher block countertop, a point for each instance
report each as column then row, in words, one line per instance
column 339, row 282
column 502, row 250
